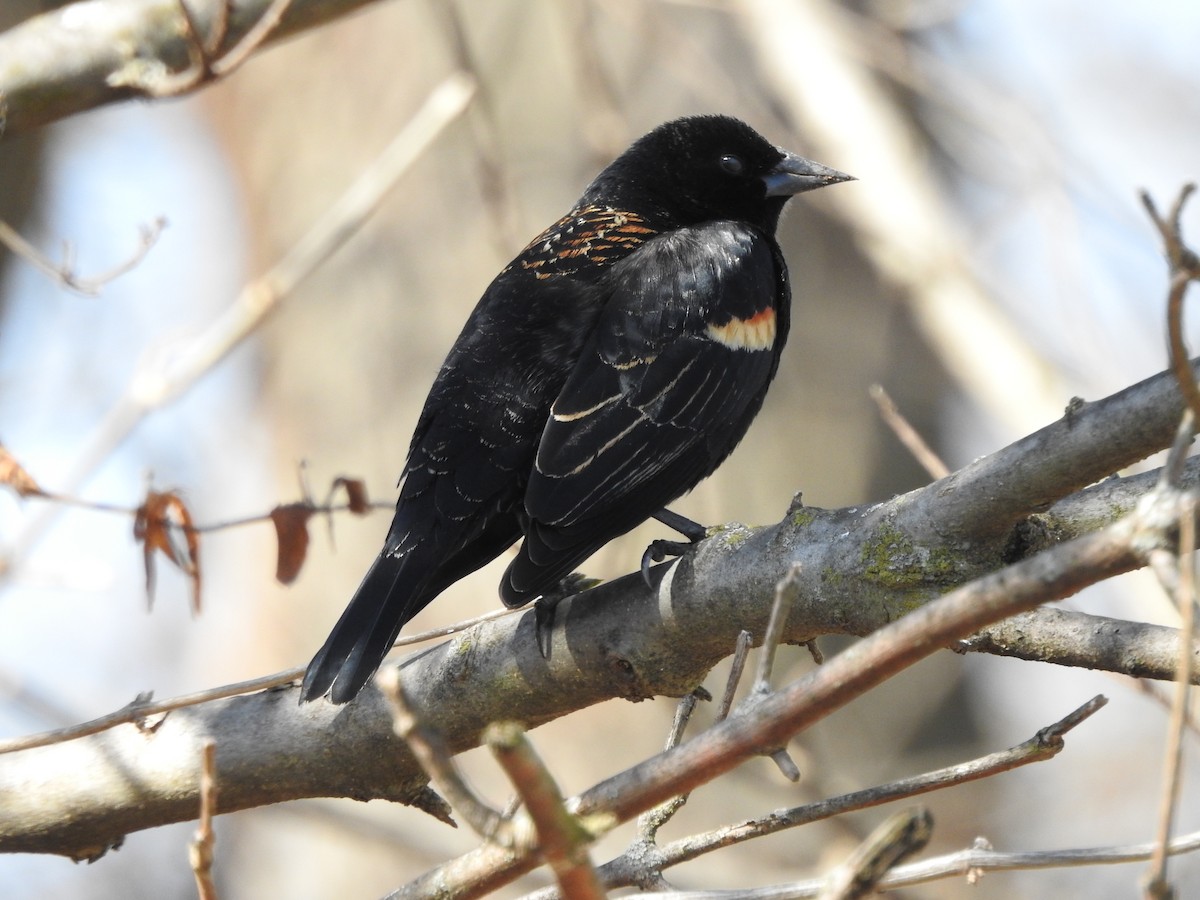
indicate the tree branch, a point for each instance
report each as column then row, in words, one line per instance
column 859, row 571
column 86, row 55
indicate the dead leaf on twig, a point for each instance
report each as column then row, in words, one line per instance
column 159, row 523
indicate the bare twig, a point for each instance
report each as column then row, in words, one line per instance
column 785, row 595
column 204, row 65
column 898, row 837
column 1156, row 885
column 907, row 435
column 64, row 272
column 201, row 849
column 142, row 707
column 1045, row 745
column 434, row 757
column 979, row 859
column 267, row 23
column 652, row 820
column 741, row 652
column 1184, row 268
column 562, row 839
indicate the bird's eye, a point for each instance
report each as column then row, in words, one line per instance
column 732, row 165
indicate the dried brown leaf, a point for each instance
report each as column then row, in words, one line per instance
column 158, row 524
column 13, row 474
column 356, row 494
column 291, row 529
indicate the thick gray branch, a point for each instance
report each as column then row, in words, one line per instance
column 85, row 55
column 1091, row 441
column 860, row 571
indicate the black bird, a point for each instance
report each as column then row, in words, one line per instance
column 606, row 370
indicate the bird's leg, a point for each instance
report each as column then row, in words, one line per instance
column 545, row 607
column 660, row 550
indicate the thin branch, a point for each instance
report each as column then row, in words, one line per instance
column 978, row 859
column 1184, row 268
column 897, row 838
column 434, row 756
column 64, row 272
column 786, row 592
column 142, row 707
column 649, row 822
column 632, row 867
column 1043, row 746
column 907, row 435
column 201, row 849
column 252, row 40
column 561, row 838
column 1156, row 885
column 741, row 652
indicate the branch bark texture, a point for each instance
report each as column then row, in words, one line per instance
column 860, row 569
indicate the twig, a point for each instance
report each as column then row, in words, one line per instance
column 953, row 865
column 786, row 592
column 251, row 40
column 907, row 435
column 1184, row 268
column 785, row 595
column 561, row 838
column 1043, row 746
column 652, row 820
column 204, row 65
column 434, row 757
column 741, row 652
column 201, row 849
column 1155, row 884
column 898, row 837
column 64, row 272
column 142, row 708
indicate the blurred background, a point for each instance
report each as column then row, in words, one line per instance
column 992, row 262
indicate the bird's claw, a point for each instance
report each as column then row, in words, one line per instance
column 660, row 550
column 545, row 607
column 544, row 611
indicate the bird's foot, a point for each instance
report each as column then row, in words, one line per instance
column 545, row 607
column 693, row 531
column 660, row 550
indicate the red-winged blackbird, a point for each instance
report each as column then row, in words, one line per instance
column 608, row 368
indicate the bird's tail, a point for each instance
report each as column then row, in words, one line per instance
column 387, row 598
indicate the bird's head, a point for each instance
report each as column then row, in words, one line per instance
column 703, row 168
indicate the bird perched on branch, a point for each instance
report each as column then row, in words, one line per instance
column 611, row 366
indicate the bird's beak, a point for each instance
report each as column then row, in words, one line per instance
column 794, row 175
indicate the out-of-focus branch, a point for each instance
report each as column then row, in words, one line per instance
column 86, row 55
column 900, row 836
column 807, row 52
column 154, row 386
column 64, row 272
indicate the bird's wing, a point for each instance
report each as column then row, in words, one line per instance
column 665, row 387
